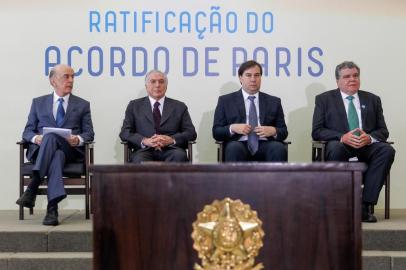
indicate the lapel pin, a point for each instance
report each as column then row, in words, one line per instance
column 363, row 106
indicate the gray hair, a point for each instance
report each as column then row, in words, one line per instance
column 343, row 65
column 155, row 71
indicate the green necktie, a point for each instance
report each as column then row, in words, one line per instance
column 352, row 115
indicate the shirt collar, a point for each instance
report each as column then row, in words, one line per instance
column 152, row 101
column 65, row 98
column 246, row 95
column 344, row 95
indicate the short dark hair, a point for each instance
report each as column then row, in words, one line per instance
column 343, row 65
column 249, row 64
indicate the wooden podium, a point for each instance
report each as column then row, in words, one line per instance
column 311, row 213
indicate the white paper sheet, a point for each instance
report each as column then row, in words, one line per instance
column 63, row 132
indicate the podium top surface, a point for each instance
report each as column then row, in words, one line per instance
column 235, row 167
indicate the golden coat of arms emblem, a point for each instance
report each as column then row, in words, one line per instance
column 227, row 236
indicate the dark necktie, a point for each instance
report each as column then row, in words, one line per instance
column 60, row 113
column 253, row 122
column 157, row 116
column 352, row 115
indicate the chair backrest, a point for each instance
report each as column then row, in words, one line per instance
column 220, row 150
column 76, row 176
column 128, row 150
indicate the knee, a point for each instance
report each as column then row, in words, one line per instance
column 276, row 151
column 233, row 147
column 50, row 137
column 278, row 147
column 179, row 156
column 388, row 152
column 336, row 151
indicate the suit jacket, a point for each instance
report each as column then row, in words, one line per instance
column 231, row 110
column 77, row 118
column 330, row 118
column 175, row 122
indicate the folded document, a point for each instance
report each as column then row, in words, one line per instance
column 63, row 132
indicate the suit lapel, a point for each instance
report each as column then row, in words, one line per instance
column 167, row 110
column 262, row 108
column 71, row 105
column 363, row 101
column 49, row 106
column 340, row 108
column 240, row 103
column 146, row 108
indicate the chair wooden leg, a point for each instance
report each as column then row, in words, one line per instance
column 387, row 197
column 31, row 211
column 87, row 199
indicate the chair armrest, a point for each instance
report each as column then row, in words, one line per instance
column 318, row 150
column 319, row 144
column 127, row 151
column 23, row 144
column 190, row 150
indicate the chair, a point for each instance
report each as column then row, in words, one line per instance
column 129, row 149
column 76, row 176
column 319, row 154
column 220, row 150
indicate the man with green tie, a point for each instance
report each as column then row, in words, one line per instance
column 352, row 123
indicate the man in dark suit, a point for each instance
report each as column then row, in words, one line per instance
column 246, row 136
column 157, row 126
column 49, row 152
column 352, row 122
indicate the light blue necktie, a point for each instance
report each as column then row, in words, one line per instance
column 353, row 121
column 60, row 113
column 253, row 122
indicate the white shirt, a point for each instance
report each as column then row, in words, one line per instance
column 356, row 104
column 56, row 103
column 247, row 104
column 358, row 108
column 161, row 103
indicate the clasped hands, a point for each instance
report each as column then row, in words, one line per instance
column 356, row 141
column 261, row 131
column 73, row 140
column 158, row 141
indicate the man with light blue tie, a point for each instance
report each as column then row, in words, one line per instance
column 49, row 152
column 249, row 122
column 352, row 123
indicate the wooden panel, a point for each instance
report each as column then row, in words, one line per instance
column 143, row 214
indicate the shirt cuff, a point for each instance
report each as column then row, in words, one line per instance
column 33, row 138
column 231, row 132
column 373, row 140
column 81, row 141
column 143, row 145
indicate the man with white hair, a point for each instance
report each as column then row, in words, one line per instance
column 50, row 152
column 157, row 126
